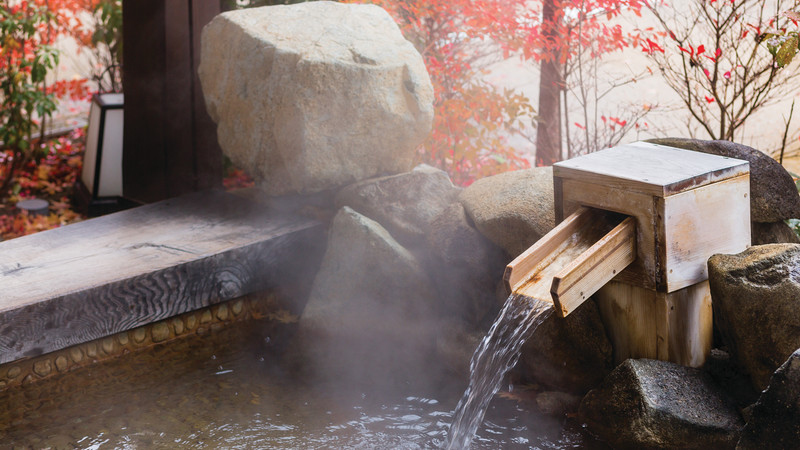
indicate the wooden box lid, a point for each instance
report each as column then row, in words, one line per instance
column 652, row 169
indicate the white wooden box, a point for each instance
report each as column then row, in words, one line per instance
column 688, row 206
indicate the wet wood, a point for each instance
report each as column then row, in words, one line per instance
column 99, row 277
column 582, row 252
column 590, row 271
column 643, row 323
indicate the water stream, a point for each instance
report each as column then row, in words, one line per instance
column 497, row 353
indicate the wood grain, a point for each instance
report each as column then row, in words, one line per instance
column 643, row 323
column 650, row 169
column 532, row 273
column 700, row 223
column 102, row 276
column 590, row 271
column 645, row 270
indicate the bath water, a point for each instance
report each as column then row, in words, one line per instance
column 232, row 389
column 497, row 353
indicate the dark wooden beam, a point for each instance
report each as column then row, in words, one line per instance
column 170, row 142
column 99, row 277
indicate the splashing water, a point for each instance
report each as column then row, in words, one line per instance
column 497, row 353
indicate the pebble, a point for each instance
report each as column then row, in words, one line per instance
column 222, row 312
column 42, row 368
column 139, row 334
column 160, row 332
column 62, row 363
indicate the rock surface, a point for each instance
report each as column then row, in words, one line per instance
column 656, row 404
column 775, row 418
column 571, row 354
column 773, row 233
column 512, row 209
column 757, row 306
column 368, row 319
column 773, row 194
column 405, row 204
column 314, row 96
column 466, row 267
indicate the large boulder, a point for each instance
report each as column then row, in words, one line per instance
column 757, row 306
column 405, row 204
column 656, row 404
column 773, row 194
column 775, row 418
column 368, row 319
column 314, row 96
column 512, row 209
column 466, row 267
column 571, row 354
column 772, row 233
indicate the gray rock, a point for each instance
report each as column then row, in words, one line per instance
column 512, row 209
column 756, row 301
column 405, row 204
column 314, row 96
column 368, row 319
column 465, row 266
column 772, row 233
column 556, row 403
column 656, row 404
column 571, row 354
column 775, row 418
column 773, row 194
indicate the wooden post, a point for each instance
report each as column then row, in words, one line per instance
column 170, row 144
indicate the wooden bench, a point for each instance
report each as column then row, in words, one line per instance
column 91, row 279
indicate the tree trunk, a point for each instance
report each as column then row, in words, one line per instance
column 548, row 134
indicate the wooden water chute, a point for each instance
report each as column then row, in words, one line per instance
column 638, row 223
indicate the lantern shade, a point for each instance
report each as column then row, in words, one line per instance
column 99, row 189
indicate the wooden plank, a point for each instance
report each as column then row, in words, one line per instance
column 691, row 327
column 177, row 98
column 645, row 270
column 702, row 222
column 576, row 282
column 651, row 169
column 633, row 317
column 103, row 276
column 531, row 274
column 519, row 270
column 643, row 323
column 144, row 154
column 208, row 154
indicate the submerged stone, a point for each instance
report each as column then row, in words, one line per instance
column 512, row 209
column 315, row 96
column 656, row 404
column 757, row 306
column 775, row 419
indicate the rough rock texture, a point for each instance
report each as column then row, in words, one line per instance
column 571, row 355
column 775, row 418
column 368, row 319
column 513, row 209
column 316, row 95
column 773, row 233
column 773, row 195
column 405, row 204
column 731, row 378
column 656, row 404
column 556, row 403
column 757, row 306
column 466, row 266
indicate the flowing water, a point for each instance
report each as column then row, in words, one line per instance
column 497, row 353
column 232, row 389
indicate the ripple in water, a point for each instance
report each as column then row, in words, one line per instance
column 497, row 353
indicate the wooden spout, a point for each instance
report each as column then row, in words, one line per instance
column 575, row 259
